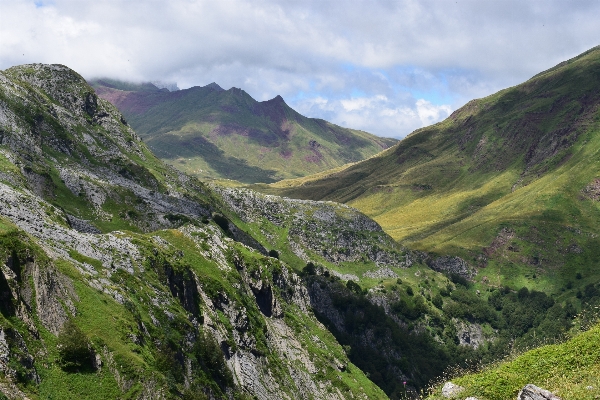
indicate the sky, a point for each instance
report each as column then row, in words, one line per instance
column 386, row 67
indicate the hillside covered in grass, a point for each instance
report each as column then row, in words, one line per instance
column 508, row 182
column 570, row 370
column 210, row 132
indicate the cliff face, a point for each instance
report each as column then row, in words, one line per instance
column 118, row 280
column 315, row 231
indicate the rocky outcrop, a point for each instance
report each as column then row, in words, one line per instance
column 469, row 334
column 451, row 265
column 592, row 191
column 532, row 392
column 13, row 347
column 54, row 297
column 102, row 160
column 333, row 232
column 250, row 332
column 206, row 313
column 381, row 273
column 272, row 289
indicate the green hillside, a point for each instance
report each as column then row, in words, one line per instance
column 214, row 133
column 508, row 182
column 570, row 370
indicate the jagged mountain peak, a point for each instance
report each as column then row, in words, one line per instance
column 278, row 102
column 277, row 99
column 214, row 86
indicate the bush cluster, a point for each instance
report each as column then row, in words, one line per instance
column 74, row 349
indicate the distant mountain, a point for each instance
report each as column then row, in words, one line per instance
column 510, row 182
column 217, row 133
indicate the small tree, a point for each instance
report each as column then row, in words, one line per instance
column 353, row 286
column 438, row 301
column 309, row 269
column 74, row 348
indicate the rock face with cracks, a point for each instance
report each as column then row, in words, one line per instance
column 334, row 232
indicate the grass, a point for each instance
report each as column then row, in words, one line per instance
column 570, row 370
column 452, row 187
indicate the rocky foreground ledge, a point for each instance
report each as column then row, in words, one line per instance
column 529, row 392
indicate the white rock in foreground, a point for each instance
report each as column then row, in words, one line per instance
column 532, row 392
column 450, row 390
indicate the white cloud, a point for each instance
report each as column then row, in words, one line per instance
column 375, row 113
column 429, row 113
column 361, row 103
column 445, row 52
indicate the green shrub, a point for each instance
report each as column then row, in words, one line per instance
column 309, row 269
column 355, row 287
column 438, row 301
column 209, row 357
column 74, row 348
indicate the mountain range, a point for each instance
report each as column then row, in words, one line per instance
column 215, row 133
column 123, row 277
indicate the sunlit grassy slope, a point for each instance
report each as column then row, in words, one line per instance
column 519, row 160
column 569, row 370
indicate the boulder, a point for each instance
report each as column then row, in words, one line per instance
column 450, row 390
column 532, row 392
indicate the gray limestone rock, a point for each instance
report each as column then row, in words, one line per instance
column 453, row 265
column 381, row 273
column 450, row 390
column 336, row 232
column 469, row 334
column 82, row 225
column 532, row 392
